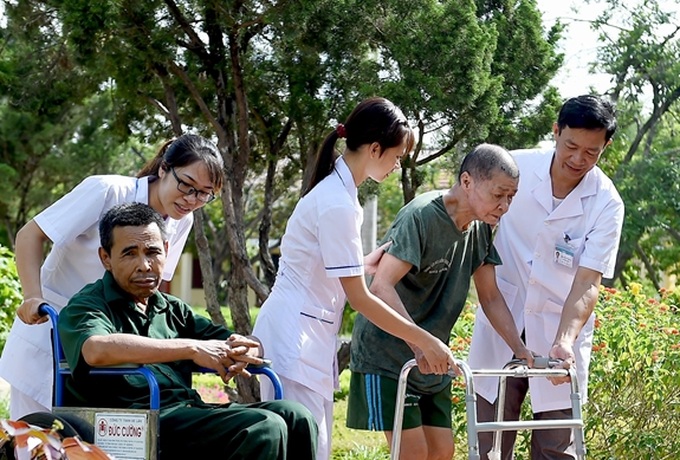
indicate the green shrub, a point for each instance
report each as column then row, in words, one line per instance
column 634, row 408
column 10, row 293
column 633, row 411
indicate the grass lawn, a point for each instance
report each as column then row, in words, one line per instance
column 354, row 444
column 347, row 444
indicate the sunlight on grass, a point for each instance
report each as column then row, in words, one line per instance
column 349, row 444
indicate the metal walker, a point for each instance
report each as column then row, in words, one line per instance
column 543, row 367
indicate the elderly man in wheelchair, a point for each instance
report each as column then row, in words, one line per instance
column 124, row 319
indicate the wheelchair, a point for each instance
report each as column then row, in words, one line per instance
column 124, row 433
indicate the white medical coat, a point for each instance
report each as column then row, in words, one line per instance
column 299, row 321
column 587, row 226
column 71, row 223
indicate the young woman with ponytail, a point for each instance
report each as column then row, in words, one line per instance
column 186, row 174
column 322, row 266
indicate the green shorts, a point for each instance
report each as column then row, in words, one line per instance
column 372, row 401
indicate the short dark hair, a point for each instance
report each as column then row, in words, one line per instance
column 588, row 112
column 485, row 160
column 128, row 215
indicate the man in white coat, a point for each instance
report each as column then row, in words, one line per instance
column 558, row 240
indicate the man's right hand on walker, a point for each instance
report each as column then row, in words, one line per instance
column 565, row 352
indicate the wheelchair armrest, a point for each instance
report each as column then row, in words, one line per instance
column 62, row 369
column 256, row 369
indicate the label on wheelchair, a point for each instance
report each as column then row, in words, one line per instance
column 122, row 435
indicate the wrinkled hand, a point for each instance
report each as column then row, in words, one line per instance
column 565, row 352
column 228, row 357
column 423, row 365
column 372, row 259
column 28, row 311
column 436, row 358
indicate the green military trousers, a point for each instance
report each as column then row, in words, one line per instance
column 258, row 431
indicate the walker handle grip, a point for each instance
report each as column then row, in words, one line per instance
column 540, row 362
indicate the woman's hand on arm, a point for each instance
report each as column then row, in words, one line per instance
column 30, row 241
column 372, row 259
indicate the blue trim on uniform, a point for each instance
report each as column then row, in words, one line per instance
column 315, row 317
column 340, row 267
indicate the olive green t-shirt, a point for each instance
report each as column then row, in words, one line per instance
column 434, row 291
column 102, row 308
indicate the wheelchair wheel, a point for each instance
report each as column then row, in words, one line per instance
column 73, row 426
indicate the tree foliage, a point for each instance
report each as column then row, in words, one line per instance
column 53, row 126
column 267, row 80
column 640, row 47
column 467, row 72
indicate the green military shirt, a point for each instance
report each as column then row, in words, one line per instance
column 102, row 308
column 434, row 291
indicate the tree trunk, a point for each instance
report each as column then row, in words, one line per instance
column 343, row 355
column 202, row 245
column 369, row 229
column 266, row 262
column 209, row 289
column 622, row 259
column 408, row 180
column 651, row 272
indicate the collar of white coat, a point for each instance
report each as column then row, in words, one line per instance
column 345, row 174
column 142, row 190
column 572, row 204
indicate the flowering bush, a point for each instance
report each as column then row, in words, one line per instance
column 213, row 392
column 10, row 293
column 212, row 389
column 633, row 409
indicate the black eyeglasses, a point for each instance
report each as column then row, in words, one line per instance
column 187, row 189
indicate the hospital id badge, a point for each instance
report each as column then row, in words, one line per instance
column 564, row 255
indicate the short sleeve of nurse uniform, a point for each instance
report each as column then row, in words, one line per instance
column 339, row 234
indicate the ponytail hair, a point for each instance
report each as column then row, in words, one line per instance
column 185, row 150
column 375, row 119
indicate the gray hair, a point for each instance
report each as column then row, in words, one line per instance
column 485, row 160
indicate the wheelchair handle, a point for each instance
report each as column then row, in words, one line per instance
column 44, row 309
column 265, row 363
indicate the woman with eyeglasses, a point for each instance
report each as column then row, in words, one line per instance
column 186, row 174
